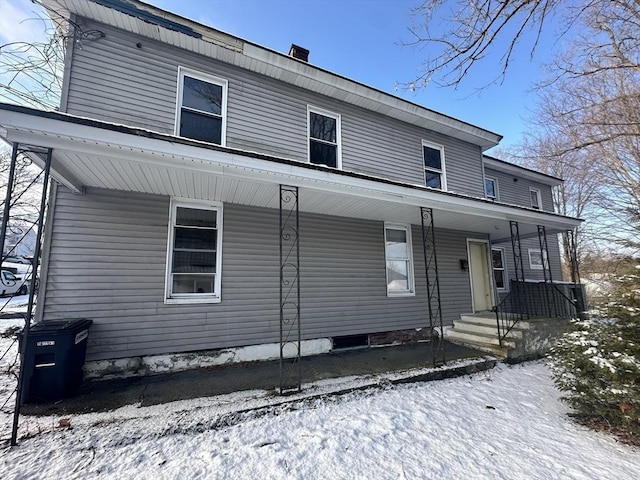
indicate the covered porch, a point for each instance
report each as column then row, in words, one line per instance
column 308, row 203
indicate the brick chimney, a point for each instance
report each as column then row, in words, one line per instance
column 299, row 53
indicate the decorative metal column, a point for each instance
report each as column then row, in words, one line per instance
column 546, row 270
column 518, row 265
column 433, row 285
column 34, row 276
column 575, row 271
column 290, row 368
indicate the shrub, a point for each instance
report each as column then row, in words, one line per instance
column 597, row 362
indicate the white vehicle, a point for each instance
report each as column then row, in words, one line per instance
column 11, row 284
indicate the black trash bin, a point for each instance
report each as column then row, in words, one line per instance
column 54, row 359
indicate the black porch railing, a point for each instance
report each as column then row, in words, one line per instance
column 537, row 299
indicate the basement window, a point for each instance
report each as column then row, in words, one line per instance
column 350, row 341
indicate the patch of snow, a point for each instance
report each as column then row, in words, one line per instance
column 504, row 423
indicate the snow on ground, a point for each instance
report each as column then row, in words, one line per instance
column 17, row 304
column 503, row 423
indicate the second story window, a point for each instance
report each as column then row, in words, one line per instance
column 536, row 200
column 434, row 172
column 202, row 105
column 491, row 187
column 324, row 138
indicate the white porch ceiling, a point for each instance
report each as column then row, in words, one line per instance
column 94, row 154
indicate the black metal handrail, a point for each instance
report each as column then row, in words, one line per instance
column 533, row 299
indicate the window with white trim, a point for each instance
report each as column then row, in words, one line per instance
column 499, row 270
column 324, row 138
column 491, row 188
column 202, row 107
column 536, row 198
column 399, row 259
column 434, row 171
column 535, row 259
column 195, row 252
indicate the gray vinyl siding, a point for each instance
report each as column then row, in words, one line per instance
column 108, row 253
column 515, row 190
column 114, row 80
column 533, row 243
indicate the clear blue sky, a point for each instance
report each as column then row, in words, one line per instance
column 359, row 39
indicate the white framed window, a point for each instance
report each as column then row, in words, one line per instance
column 399, row 259
column 434, row 170
column 536, row 198
column 324, row 133
column 491, row 188
column 499, row 268
column 194, row 256
column 201, row 112
column 535, row 259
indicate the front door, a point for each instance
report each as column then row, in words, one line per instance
column 480, row 279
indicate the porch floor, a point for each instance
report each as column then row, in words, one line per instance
column 105, row 395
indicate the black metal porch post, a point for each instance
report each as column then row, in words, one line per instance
column 575, row 271
column 433, row 283
column 290, row 366
column 32, row 287
column 518, row 265
column 546, row 271
column 7, row 199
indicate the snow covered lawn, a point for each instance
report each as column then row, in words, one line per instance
column 503, row 423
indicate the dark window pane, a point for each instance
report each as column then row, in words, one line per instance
column 195, row 239
column 433, row 179
column 491, row 188
column 193, row 283
column 194, row 262
column 203, row 96
column 323, row 154
column 497, row 259
column 432, row 158
column 196, row 217
column 534, row 199
column 200, row 127
column 322, row 128
column 499, row 276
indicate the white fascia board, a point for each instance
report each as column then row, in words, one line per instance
column 92, row 140
column 58, row 173
column 522, row 172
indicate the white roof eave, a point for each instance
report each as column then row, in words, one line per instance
column 167, row 152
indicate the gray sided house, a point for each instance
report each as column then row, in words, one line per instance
column 209, row 191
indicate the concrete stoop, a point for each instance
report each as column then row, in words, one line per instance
column 527, row 338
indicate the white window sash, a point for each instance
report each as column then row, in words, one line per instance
column 182, row 72
column 214, row 297
column 338, row 143
column 442, row 170
column 408, row 259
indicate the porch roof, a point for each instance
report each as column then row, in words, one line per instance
column 91, row 153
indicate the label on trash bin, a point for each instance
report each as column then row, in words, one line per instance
column 46, row 343
column 81, row 336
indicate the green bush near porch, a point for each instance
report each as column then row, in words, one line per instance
column 597, row 362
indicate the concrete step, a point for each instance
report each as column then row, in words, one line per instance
column 467, row 326
column 472, row 342
column 488, row 319
column 456, row 335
